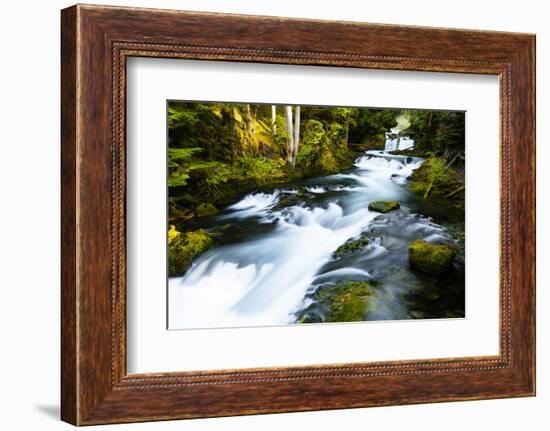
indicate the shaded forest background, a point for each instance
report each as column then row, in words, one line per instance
column 219, row 151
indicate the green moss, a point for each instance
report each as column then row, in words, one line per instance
column 323, row 149
column 373, row 142
column 350, row 246
column 431, row 258
column 285, row 202
column 347, row 301
column 311, row 154
column 436, row 178
column 173, row 234
column 302, row 191
column 384, row 206
column 205, row 209
column 306, row 318
column 183, row 247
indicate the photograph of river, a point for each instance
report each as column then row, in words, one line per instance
column 281, row 214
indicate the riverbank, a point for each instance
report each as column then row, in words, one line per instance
column 439, row 178
column 227, row 184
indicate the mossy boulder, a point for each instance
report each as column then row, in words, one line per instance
column 300, row 193
column 384, row 206
column 205, row 209
column 347, row 301
column 183, row 247
column 283, row 203
column 351, row 246
column 431, row 258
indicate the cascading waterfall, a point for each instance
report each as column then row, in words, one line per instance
column 264, row 276
column 394, row 141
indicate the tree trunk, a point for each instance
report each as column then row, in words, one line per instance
column 274, row 119
column 290, row 131
column 296, row 134
column 249, row 118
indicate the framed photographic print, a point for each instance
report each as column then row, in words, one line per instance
column 259, row 217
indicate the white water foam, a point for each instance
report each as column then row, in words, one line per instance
column 264, row 281
column 316, row 189
column 254, row 204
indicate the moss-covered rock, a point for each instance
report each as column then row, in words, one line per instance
column 384, row 206
column 301, row 192
column 205, row 209
column 431, row 258
column 347, row 301
column 183, row 247
column 283, row 203
column 350, row 246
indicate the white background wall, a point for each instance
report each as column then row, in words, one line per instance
column 29, row 215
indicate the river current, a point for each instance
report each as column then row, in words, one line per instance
column 277, row 248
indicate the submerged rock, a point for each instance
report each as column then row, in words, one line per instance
column 350, row 246
column 302, row 191
column 384, row 206
column 347, row 301
column 283, row 203
column 431, row 258
column 205, row 209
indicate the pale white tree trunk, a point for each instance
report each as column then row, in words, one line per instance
column 347, row 133
column 296, row 134
column 274, row 118
column 290, row 131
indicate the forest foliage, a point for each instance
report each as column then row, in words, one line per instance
column 440, row 133
column 439, row 137
column 219, row 151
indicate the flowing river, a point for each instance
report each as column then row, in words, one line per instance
column 277, row 248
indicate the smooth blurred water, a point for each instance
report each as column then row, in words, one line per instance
column 276, row 248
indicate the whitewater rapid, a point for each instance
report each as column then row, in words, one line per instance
column 265, row 279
